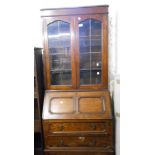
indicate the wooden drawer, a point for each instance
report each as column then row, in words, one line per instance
column 73, row 127
column 79, row 151
column 79, row 141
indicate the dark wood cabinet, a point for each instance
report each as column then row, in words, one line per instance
column 77, row 112
column 38, row 101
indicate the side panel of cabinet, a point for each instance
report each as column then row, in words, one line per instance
column 59, row 54
column 91, row 51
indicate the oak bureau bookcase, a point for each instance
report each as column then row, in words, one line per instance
column 77, row 114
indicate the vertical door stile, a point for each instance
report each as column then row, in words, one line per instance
column 73, row 52
column 105, row 52
column 77, row 54
column 47, row 72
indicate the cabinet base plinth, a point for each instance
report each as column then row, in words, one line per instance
column 86, row 151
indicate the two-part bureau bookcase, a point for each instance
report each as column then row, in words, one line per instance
column 77, row 113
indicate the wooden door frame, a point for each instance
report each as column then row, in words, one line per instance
column 46, row 21
column 104, row 76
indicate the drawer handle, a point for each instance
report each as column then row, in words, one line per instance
column 61, row 127
column 81, row 138
column 61, row 142
column 93, row 126
column 93, row 143
column 105, row 132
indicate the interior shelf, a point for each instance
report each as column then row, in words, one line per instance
column 61, row 70
column 90, row 36
column 90, row 69
column 64, row 53
column 90, row 52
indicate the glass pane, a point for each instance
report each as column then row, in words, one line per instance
column 61, row 77
column 96, row 76
column 84, row 44
column 95, row 27
column 96, row 43
column 84, row 28
column 60, row 62
column 59, row 53
column 84, row 76
column 90, row 42
column 84, row 63
column 96, row 61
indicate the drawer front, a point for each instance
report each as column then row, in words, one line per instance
column 79, row 141
column 79, row 153
column 80, row 127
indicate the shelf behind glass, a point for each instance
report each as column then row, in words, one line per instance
column 92, row 69
column 61, row 70
column 59, row 49
column 87, row 36
column 62, row 43
column 90, row 60
column 61, row 77
column 90, row 76
column 60, row 62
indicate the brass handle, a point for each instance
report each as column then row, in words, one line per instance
column 61, row 127
column 93, row 126
column 105, row 132
column 81, row 138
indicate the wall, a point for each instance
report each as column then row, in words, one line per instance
column 114, row 66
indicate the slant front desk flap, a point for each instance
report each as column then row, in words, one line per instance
column 77, row 105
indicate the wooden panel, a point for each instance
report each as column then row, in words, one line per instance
column 91, row 105
column 74, row 11
column 79, row 141
column 105, row 51
column 61, row 105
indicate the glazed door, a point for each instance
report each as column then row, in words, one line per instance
column 91, row 39
column 59, row 53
